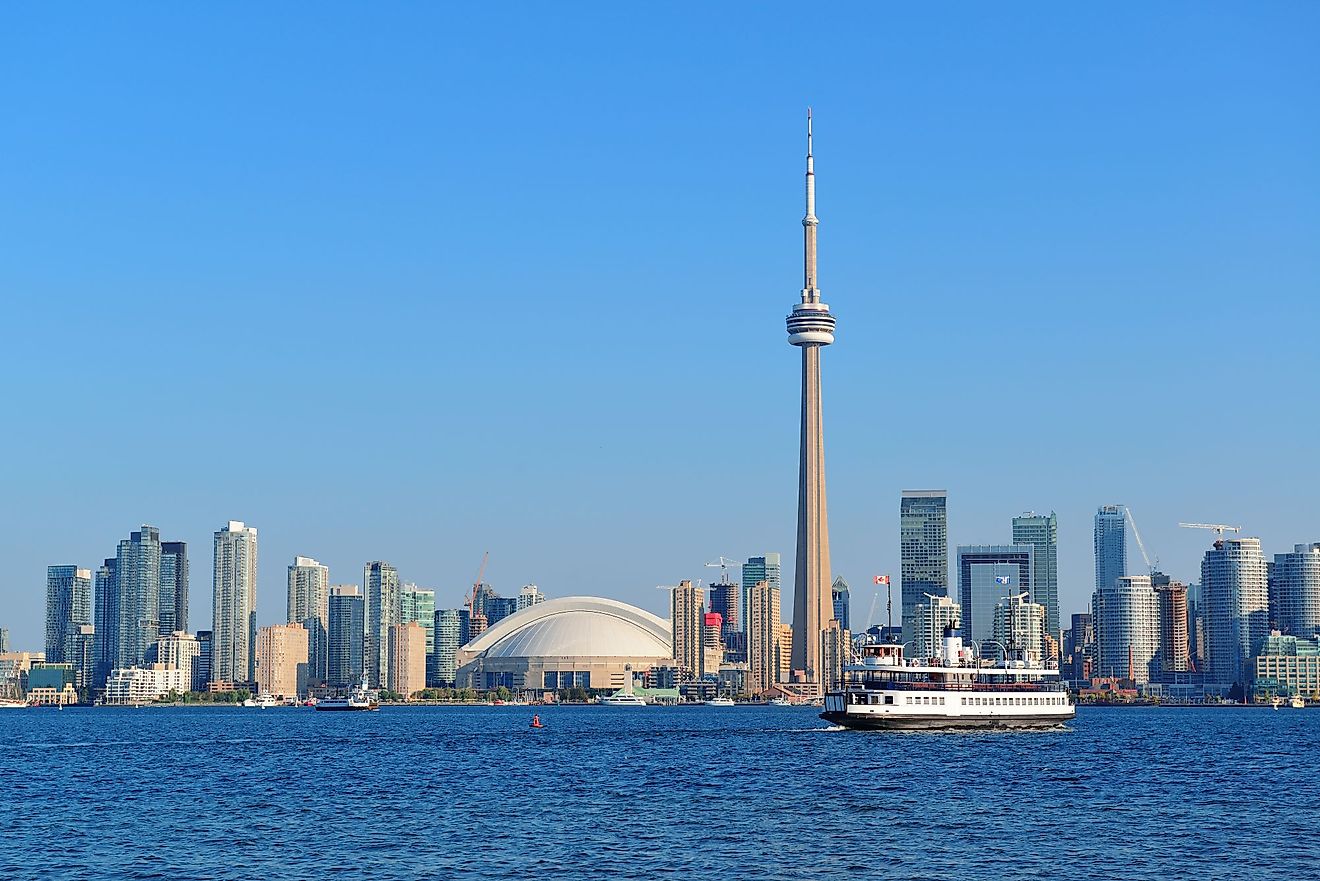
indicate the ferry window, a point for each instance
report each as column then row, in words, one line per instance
column 889, row 698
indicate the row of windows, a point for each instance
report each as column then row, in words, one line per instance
column 927, row 700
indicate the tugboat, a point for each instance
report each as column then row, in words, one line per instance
column 954, row 690
column 357, row 699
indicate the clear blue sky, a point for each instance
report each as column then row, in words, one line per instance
column 415, row 282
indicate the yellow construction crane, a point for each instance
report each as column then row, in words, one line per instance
column 1219, row 528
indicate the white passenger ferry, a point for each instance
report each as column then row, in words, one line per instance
column 951, row 691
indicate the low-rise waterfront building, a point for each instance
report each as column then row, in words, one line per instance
column 1287, row 666
column 128, row 686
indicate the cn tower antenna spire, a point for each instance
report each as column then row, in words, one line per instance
column 810, row 294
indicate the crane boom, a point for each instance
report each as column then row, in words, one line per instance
column 1141, row 545
column 1219, row 528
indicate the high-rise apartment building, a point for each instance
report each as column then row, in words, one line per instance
column 987, row 574
column 234, row 603
column 726, row 601
column 4, row 640
column 928, row 622
column 530, row 595
column 1041, row 531
column 105, row 619
column 309, row 591
column 418, row 604
column 1127, row 629
column 384, row 609
column 202, row 665
column 1110, row 545
column 836, row 652
column 173, row 603
column 346, row 637
column 281, row 659
column 685, row 619
column 784, row 647
column 80, row 652
column 923, row 547
column 68, row 607
column 763, row 620
column 1296, row 580
column 137, row 589
column 839, row 599
column 180, row 651
column 1174, row 656
column 765, row 568
column 1020, row 628
column 1235, row 593
column 450, row 634
column 407, row 672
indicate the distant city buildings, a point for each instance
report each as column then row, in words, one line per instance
column 757, row 569
column 923, row 547
column 234, row 603
column 1041, row 531
column 384, row 609
column 418, row 605
column 987, row 574
column 1019, row 627
column 345, row 652
column 309, row 592
column 181, row 651
column 1110, row 545
column 136, row 598
column 530, row 595
column 68, row 607
column 1127, row 629
column 1288, row 666
column 173, row 602
column 1174, row 655
column 1235, row 593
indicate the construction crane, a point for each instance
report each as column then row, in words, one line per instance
column 1141, row 545
column 1219, row 528
column 723, row 564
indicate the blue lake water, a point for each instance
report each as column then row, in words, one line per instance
column 755, row 793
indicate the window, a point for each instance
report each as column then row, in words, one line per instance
column 889, row 698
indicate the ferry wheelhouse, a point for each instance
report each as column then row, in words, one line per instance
column 954, row 690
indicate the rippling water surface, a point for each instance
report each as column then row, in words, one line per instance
column 704, row 792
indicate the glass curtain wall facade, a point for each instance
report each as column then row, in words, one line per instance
column 923, row 547
column 1041, row 531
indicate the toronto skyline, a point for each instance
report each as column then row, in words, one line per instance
column 354, row 307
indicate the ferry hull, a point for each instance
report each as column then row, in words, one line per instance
column 914, row 722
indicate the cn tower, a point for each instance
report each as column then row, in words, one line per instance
column 811, row 326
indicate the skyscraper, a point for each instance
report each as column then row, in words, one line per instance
column 757, row 569
column 407, row 672
column 347, row 636
column 1110, row 545
column 418, row 604
column 929, row 620
column 530, row 595
column 68, row 607
column 384, row 608
column 173, row 602
column 1236, row 608
column 1297, row 588
column 309, row 591
column 137, row 587
column 106, row 620
column 451, row 632
column 987, row 574
column 1127, row 628
column 762, row 636
column 234, row 604
column 839, row 600
column 1020, row 628
column 1173, row 657
column 811, row 326
column 685, row 619
column 1042, row 533
column 923, row 547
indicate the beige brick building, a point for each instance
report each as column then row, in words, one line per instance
column 282, row 660
column 407, row 672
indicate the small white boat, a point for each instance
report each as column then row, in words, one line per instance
column 248, row 703
column 621, row 698
column 719, row 702
column 1276, row 703
column 780, row 702
column 1298, row 702
column 11, row 704
column 266, row 701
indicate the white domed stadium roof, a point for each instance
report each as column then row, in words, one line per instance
column 576, row 627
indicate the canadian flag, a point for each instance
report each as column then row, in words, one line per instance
column 882, row 579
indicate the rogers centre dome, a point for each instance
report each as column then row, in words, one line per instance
column 569, row 642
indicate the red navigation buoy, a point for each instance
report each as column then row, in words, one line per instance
column 536, row 722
